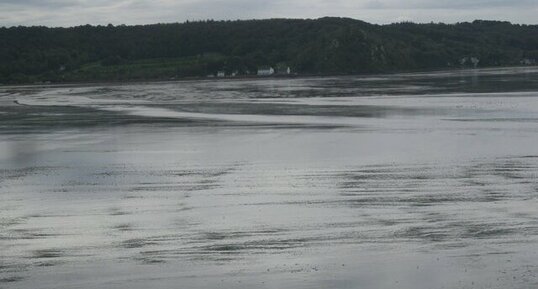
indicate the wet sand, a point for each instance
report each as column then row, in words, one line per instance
column 392, row 181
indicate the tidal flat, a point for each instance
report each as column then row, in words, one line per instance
column 413, row 181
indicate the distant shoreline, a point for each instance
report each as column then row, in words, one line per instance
column 254, row 77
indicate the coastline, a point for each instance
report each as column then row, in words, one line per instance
column 256, row 77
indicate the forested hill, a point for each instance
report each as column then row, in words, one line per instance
column 199, row 49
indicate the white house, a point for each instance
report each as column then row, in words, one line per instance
column 475, row 61
column 266, row 71
column 221, row 74
column 471, row 60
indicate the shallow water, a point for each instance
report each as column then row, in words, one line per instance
column 389, row 181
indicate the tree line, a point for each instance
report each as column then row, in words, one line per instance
column 198, row 49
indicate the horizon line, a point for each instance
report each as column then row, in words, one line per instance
column 263, row 19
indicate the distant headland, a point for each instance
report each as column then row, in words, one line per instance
column 256, row 48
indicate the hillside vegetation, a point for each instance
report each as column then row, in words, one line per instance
column 199, row 49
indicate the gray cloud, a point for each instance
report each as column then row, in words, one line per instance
column 37, row 3
column 78, row 12
column 453, row 4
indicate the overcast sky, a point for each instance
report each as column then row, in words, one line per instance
column 79, row 12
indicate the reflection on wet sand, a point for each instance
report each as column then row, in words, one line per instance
column 397, row 181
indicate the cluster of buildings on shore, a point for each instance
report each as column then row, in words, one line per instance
column 262, row 71
column 474, row 61
column 470, row 61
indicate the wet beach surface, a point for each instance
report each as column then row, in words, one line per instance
column 424, row 180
